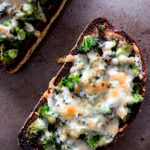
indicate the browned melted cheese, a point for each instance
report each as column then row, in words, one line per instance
column 99, row 87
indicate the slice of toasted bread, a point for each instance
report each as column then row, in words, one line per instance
column 24, row 141
column 39, row 39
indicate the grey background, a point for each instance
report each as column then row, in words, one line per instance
column 20, row 92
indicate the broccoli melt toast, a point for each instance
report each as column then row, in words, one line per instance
column 93, row 98
column 23, row 24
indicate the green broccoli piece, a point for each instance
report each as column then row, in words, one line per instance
column 45, row 111
column 88, row 42
column 92, row 141
column 37, row 127
column 105, row 110
column 2, row 39
column 21, row 34
column 137, row 87
column 50, row 141
column 137, row 98
column 125, row 49
column 135, row 69
column 29, row 13
column 8, row 56
column 69, row 81
column 7, row 23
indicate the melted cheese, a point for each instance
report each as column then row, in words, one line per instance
column 99, row 87
column 120, row 77
column 98, row 102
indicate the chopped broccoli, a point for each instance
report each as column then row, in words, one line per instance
column 125, row 49
column 7, row 23
column 105, row 109
column 137, row 87
column 137, row 98
column 92, row 141
column 38, row 126
column 2, row 39
column 88, row 42
column 45, row 111
column 69, row 81
column 8, row 56
column 29, row 13
column 135, row 69
column 49, row 140
column 21, row 34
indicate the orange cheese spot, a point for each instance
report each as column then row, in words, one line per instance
column 90, row 123
column 8, row 35
column 121, row 77
column 73, row 134
column 115, row 92
column 69, row 58
column 105, row 96
column 71, row 110
column 3, row 29
column 77, row 89
column 99, row 87
column 52, row 120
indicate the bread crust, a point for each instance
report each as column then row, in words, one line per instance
column 24, row 142
column 39, row 39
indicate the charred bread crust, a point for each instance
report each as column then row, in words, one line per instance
column 24, row 142
column 37, row 42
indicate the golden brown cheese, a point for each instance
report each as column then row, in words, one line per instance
column 121, row 77
column 99, row 87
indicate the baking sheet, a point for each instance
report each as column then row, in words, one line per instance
column 20, row 92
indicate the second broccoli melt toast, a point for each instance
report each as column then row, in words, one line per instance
column 93, row 98
column 23, row 24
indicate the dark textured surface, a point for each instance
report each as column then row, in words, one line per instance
column 20, row 92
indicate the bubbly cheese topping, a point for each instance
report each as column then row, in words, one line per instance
column 81, row 111
column 89, row 114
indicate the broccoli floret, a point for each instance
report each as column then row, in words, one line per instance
column 69, row 81
column 21, row 34
column 92, row 141
column 135, row 69
column 7, row 23
column 45, row 111
column 137, row 98
column 105, row 109
column 38, row 126
column 88, row 42
column 29, row 13
column 8, row 56
column 48, row 140
column 137, row 87
column 125, row 49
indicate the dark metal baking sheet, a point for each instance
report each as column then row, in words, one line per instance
column 20, row 92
